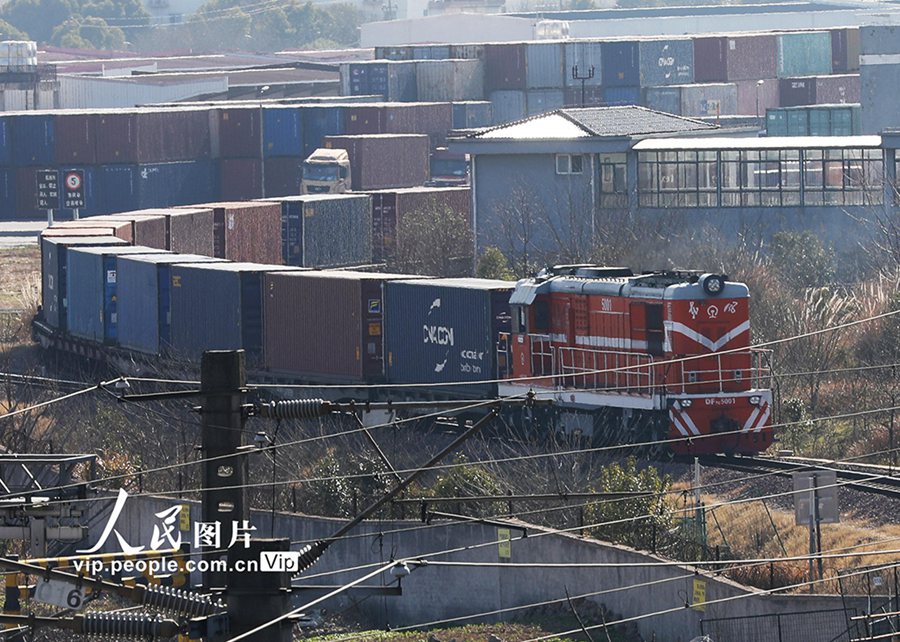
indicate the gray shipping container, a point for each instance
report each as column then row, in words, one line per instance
column 54, row 269
column 584, row 55
column 666, row 62
column 450, row 80
column 541, row 101
column 218, row 306
column 508, row 105
column 93, row 285
column 715, row 99
column 544, row 65
column 445, row 330
column 882, row 39
column 144, row 284
column 326, row 230
column 665, row 99
column 381, row 161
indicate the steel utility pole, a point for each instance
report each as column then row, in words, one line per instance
column 583, row 79
column 223, row 382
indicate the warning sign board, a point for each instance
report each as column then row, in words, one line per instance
column 47, row 189
column 73, row 190
column 504, row 540
column 699, row 601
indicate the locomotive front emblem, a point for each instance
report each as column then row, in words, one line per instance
column 731, row 308
column 712, row 312
column 694, row 310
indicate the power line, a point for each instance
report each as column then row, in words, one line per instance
column 44, row 404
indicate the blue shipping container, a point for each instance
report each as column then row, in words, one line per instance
column 7, row 194
column 616, row 96
column 667, row 62
column 54, row 254
column 5, row 142
column 507, row 105
column 620, row 62
column 92, row 280
column 115, row 189
column 472, row 114
column 585, row 56
column 319, row 122
column 33, row 139
column 217, row 306
column 444, row 330
column 178, row 183
column 143, row 306
column 282, row 131
column 667, row 99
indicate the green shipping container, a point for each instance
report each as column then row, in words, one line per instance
column 820, row 122
column 776, row 122
column 804, row 54
column 797, row 122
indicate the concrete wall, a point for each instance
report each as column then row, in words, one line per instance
column 436, row 593
column 510, row 189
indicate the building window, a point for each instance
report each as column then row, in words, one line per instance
column 613, row 181
column 569, row 164
column 760, row 177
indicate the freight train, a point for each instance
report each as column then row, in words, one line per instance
column 662, row 358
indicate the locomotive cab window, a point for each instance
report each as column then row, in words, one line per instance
column 655, row 329
column 541, row 316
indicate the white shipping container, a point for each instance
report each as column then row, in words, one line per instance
column 450, row 80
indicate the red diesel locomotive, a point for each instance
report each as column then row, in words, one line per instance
column 662, row 358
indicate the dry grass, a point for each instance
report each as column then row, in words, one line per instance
column 20, row 274
column 748, row 532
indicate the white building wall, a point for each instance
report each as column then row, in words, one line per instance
column 455, row 28
column 87, row 92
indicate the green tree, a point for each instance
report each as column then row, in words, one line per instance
column 630, row 525
column 434, row 240
column 341, row 486
column 88, row 33
column 37, row 18
column 802, row 258
column 493, row 264
column 467, row 480
column 8, row 32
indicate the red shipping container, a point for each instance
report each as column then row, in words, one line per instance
column 78, row 231
column 148, row 230
column 240, row 178
column 119, row 229
column 342, row 341
column 190, row 231
column 246, row 232
column 845, row 49
column 840, row 89
column 364, row 119
column 152, row 135
column 283, row 175
column 116, row 137
column 382, row 161
column 504, row 66
column 747, row 92
column 239, row 132
column 390, row 206
column 729, row 58
column 76, row 138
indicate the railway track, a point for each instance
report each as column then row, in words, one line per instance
column 867, row 478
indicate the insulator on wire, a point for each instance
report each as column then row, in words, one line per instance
column 296, row 409
column 310, row 554
column 177, row 601
column 125, row 625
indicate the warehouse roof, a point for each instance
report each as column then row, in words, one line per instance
column 588, row 122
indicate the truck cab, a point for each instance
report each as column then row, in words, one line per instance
column 448, row 169
column 326, row 171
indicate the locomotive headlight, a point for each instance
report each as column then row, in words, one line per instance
column 754, row 400
column 686, row 403
column 713, row 284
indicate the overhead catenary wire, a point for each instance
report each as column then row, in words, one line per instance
column 446, row 466
column 50, row 402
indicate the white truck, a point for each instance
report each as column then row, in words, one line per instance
column 326, row 171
